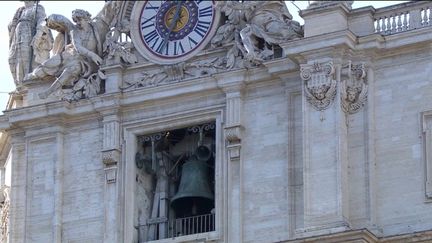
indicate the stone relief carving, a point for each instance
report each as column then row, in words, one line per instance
column 176, row 73
column 255, row 27
column 354, row 89
column 77, row 53
column 4, row 221
column 320, row 84
column 29, row 40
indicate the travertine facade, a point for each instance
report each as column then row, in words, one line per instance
column 321, row 133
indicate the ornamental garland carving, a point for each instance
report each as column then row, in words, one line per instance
column 320, row 84
column 354, row 89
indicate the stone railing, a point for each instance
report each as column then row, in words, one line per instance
column 403, row 17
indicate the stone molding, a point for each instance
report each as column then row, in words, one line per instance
column 354, row 89
column 320, row 84
column 427, row 141
column 365, row 236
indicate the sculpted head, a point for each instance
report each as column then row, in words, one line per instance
column 29, row 3
column 352, row 94
column 80, row 14
column 319, row 91
column 58, row 23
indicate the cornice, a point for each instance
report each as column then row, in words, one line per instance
column 103, row 104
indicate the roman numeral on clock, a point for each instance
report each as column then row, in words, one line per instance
column 205, row 12
column 147, row 23
column 178, row 47
column 192, row 41
column 202, row 27
column 150, row 36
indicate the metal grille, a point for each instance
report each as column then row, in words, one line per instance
column 179, row 227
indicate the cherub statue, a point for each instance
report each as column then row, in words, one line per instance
column 80, row 56
column 29, row 41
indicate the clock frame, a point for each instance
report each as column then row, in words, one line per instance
column 169, row 32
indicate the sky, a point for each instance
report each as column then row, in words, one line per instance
column 8, row 8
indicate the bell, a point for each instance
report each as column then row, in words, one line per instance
column 194, row 196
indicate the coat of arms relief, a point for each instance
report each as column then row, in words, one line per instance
column 320, row 84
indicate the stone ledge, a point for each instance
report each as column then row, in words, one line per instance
column 365, row 236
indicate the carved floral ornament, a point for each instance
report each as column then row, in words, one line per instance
column 353, row 89
column 320, row 84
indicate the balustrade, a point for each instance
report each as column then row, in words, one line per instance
column 402, row 17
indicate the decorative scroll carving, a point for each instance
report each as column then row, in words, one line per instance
column 256, row 27
column 110, row 157
column 111, row 146
column 354, row 89
column 233, row 134
column 320, row 84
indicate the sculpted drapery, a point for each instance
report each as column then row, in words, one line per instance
column 30, row 41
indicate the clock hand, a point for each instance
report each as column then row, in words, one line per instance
column 172, row 25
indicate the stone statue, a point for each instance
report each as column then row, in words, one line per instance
column 4, row 219
column 77, row 52
column 117, row 50
column 260, row 24
column 29, row 40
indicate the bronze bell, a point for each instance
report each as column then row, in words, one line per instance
column 194, row 196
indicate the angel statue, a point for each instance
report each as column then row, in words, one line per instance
column 30, row 41
column 260, row 24
column 77, row 51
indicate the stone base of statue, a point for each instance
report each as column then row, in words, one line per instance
column 31, row 90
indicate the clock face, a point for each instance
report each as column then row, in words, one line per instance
column 172, row 31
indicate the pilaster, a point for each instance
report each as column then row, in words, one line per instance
column 233, row 85
column 18, row 194
column 111, row 159
column 324, row 148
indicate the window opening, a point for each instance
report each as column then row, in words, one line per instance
column 176, row 183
